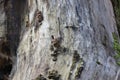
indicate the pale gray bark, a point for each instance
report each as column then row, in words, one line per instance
column 85, row 26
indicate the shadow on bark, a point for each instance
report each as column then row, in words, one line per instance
column 14, row 10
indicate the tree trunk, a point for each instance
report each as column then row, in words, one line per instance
column 63, row 40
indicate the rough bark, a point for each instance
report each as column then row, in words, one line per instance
column 64, row 40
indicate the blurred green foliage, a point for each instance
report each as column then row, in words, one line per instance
column 116, row 8
column 117, row 48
